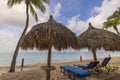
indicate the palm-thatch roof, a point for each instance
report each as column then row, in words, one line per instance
column 50, row 32
column 94, row 39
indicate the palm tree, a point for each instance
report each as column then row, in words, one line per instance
column 113, row 21
column 30, row 4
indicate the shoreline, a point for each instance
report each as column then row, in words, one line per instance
column 31, row 58
column 55, row 62
column 34, row 70
column 32, row 65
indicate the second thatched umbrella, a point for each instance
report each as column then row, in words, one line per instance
column 94, row 39
column 46, row 35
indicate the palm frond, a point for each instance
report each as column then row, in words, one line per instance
column 10, row 3
column 119, row 21
column 46, row 1
column 42, row 8
column 39, row 4
column 107, row 24
column 33, row 12
column 115, row 15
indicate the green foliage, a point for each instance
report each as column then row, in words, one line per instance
column 39, row 4
column 33, row 12
column 32, row 4
column 10, row 3
column 115, row 15
column 107, row 24
column 113, row 21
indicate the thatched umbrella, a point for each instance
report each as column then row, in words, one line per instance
column 94, row 39
column 49, row 34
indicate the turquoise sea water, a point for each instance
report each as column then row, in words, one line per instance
column 30, row 57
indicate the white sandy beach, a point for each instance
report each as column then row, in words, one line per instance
column 36, row 73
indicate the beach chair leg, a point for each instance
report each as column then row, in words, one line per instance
column 61, row 69
column 64, row 72
column 83, row 79
column 73, row 76
column 97, row 71
column 69, row 74
column 108, row 71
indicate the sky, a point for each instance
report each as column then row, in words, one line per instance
column 74, row 14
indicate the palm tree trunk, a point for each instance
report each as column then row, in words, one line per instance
column 13, row 63
column 116, row 29
column 94, row 55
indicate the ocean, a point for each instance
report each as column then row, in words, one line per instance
column 35, row 57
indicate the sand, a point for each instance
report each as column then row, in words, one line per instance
column 34, row 71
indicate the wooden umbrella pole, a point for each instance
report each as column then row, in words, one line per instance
column 49, row 63
column 49, row 57
column 94, row 55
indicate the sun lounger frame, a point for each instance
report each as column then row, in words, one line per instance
column 81, row 74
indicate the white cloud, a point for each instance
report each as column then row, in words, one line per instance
column 13, row 20
column 56, row 11
column 12, row 16
column 16, row 15
column 76, row 25
column 8, row 38
column 43, row 17
column 104, row 11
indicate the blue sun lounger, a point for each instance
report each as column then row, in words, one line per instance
column 81, row 74
column 106, row 61
column 91, row 65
